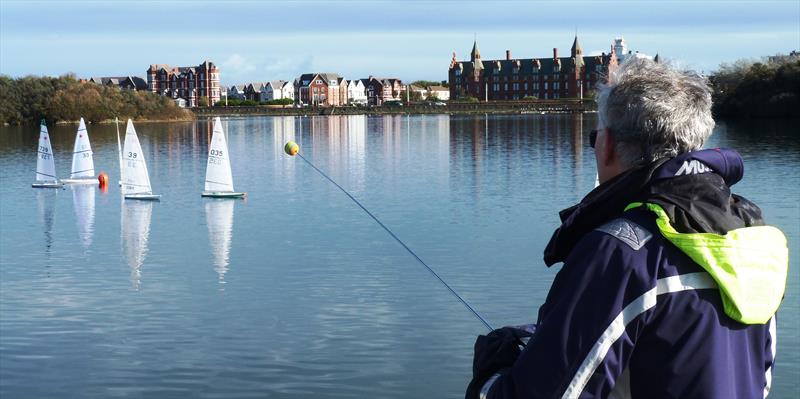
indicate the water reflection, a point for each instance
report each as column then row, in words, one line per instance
column 338, row 144
column 219, row 219
column 135, row 232
column 47, row 202
column 83, row 197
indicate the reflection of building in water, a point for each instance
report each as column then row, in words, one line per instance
column 83, row 203
column 283, row 129
column 219, row 219
column 545, row 150
column 47, row 202
column 135, row 232
column 338, row 143
column 578, row 148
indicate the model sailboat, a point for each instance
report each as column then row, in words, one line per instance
column 219, row 179
column 82, row 162
column 45, row 164
column 135, row 179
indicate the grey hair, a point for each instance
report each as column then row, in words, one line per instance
column 654, row 111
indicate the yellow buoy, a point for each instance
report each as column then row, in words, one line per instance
column 291, row 148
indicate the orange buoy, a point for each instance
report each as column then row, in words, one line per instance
column 103, row 179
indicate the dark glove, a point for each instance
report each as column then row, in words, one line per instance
column 493, row 352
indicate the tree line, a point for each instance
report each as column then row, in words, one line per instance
column 767, row 88
column 32, row 98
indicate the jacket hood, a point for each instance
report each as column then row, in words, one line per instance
column 750, row 265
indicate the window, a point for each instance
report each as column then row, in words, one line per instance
column 566, row 85
column 458, row 72
column 545, row 85
column 515, row 70
column 505, row 87
column 515, row 86
column 495, row 71
column 536, row 86
column 526, row 86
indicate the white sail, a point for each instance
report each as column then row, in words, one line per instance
column 135, row 179
column 83, row 203
column 135, row 232
column 45, row 164
column 218, row 169
column 219, row 219
column 82, row 163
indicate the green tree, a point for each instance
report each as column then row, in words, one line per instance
column 202, row 101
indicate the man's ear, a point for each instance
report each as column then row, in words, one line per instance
column 608, row 153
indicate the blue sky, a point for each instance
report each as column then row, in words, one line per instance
column 259, row 41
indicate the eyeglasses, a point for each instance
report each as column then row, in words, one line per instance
column 592, row 137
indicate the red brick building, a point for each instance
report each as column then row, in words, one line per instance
column 188, row 83
column 320, row 89
column 380, row 90
column 544, row 78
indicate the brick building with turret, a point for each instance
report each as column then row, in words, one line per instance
column 514, row 78
column 188, row 83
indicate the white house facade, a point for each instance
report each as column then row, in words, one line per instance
column 356, row 92
column 276, row 90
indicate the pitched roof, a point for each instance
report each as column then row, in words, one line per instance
column 475, row 54
column 276, row 84
column 139, row 83
column 576, row 47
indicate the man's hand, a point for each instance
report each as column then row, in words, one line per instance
column 493, row 352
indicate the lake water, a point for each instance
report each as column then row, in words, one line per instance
column 295, row 291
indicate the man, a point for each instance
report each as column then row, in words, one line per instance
column 670, row 283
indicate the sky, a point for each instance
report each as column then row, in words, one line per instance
column 257, row 41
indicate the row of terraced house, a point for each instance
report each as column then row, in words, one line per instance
column 325, row 89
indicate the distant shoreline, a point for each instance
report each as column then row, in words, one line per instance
column 504, row 107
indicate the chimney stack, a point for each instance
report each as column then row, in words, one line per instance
column 508, row 55
column 555, row 53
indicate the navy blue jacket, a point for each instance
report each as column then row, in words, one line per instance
column 632, row 315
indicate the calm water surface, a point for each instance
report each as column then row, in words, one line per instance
column 295, row 292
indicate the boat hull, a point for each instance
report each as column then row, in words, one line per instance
column 47, row 184
column 144, row 197
column 88, row 180
column 222, row 194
